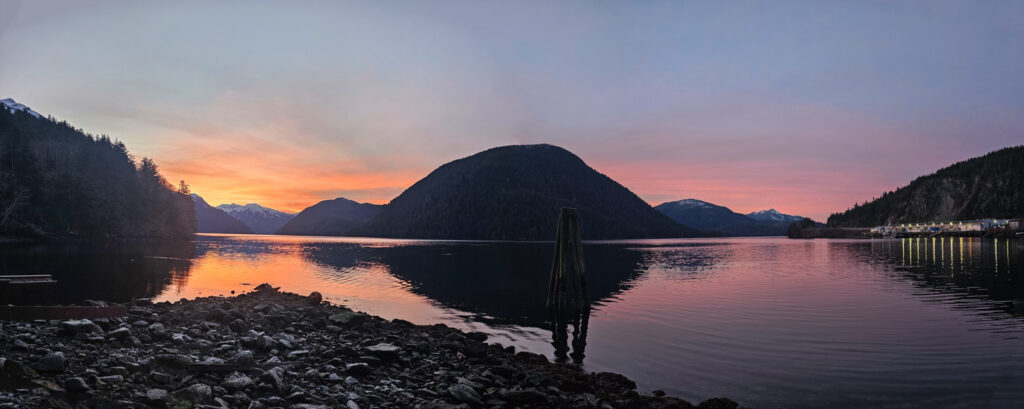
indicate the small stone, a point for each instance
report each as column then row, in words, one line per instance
column 351, row 404
column 160, row 377
column 156, row 395
column 239, row 326
column 524, row 396
column 349, row 317
column 18, row 370
column 157, row 330
column 75, row 384
column 194, row 394
column 237, row 381
column 315, row 298
column 120, row 333
column 173, row 361
column 112, row 379
column 464, row 393
column 384, row 351
column 53, row 362
column 358, row 369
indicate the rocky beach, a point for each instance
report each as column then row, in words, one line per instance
column 272, row 349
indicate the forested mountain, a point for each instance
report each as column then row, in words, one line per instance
column 59, row 182
column 989, row 186
column 261, row 219
column 699, row 214
column 515, row 193
column 702, row 215
column 336, row 217
column 213, row 220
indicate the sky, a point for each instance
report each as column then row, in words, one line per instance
column 803, row 106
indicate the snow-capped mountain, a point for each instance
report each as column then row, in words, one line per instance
column 12, row 105
column 210, row 219
column 699, row 214
column 261, row 219
column 702, row 215
column 772, row 215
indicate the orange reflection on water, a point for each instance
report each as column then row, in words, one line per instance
column 366, row 287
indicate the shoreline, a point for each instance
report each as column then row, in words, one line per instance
column 272, row 349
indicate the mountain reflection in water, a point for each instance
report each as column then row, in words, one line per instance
column 769, row 322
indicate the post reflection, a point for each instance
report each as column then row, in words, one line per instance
column 560, row 323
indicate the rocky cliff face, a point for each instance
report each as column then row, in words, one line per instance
column 989, row 186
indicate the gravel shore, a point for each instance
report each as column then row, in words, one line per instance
column 271, row 349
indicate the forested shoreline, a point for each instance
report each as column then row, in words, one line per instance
column 58, row 182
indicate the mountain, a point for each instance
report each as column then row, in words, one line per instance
column 989, row 186
column 699, row 214
column 702, row 215
column 57, row 181
column 12, row 106
column 213, row 220
column 516, row 193
column 336, row 217
column 262, row 220
column 773, row 216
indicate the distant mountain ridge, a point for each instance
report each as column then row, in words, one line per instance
column 213, row 220
column 261, row 219
column 335, row 217
column 773, row 216
column 702, row 215
column 988, row 186
column 515, row 193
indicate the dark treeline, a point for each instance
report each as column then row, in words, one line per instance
column 984, row 187
column 59, row 182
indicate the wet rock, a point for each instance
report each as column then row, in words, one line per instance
column 157, row 330
column 156, row 395
column 315, row 298
column 197, row 393
column 160, row 377
column 18, row 370
column 384, row 351
column 84, row 326
column 218, row 315
column 524, row 396
column 172, row 361
column 238, row 326
column 112, row 379
column 351, row 404
column 464, row 393
column 120, row 334
column 52, row 362
column 349, row 317
column 237, row 381
column 358, row 369
column 75, row 384
column 267, row 288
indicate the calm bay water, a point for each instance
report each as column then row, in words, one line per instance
column 769, row 322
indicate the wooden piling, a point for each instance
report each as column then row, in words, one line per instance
column 567, row 291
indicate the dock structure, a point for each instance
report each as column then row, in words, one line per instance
column 979, row 227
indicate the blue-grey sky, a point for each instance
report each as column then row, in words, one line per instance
column 804, row 106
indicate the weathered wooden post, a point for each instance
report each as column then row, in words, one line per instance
column 567, row 292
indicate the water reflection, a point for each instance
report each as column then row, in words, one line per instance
column 966, row 267
column 770, row 322
column 499, row 283
column 99, row 271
